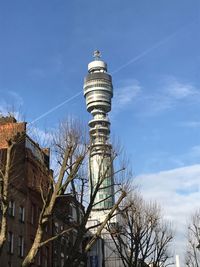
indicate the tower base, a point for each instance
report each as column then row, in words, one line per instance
column 103, row 252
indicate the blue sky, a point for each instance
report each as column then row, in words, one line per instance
column 152, row 50
column 150, row 46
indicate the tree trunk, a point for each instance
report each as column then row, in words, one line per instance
column 29, row 259
column 4, row 197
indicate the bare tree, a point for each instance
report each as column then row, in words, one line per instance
column 142, row 237
column 193, row 241
column 12, row 156
column 85, row 191
column 71, row 152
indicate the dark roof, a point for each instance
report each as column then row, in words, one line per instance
column 7, row 119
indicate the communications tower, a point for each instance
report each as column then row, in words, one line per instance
column 98, row 92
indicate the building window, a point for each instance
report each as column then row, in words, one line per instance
column 101, row 196
column 63, row 240
column 21, row 246
column 0, row 210
column 56, row 228
column 11, row 208
column 1, row 156
column 10, row 242
column 46, row 257
column 62, row 259
column 46, row 228
column 33, row 214
column 39, row 261
column 21, row 214
column 70, row 210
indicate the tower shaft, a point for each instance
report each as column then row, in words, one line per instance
column 98, row 91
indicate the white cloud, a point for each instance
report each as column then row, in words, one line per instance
column 178, row 192
column 16, row 97
column 179, row 90
column 195, row 151
column 149, row 102
column 125, row 94
column 192, row 156
column 53, row 67
column 154, row 104
column 10, row 111
column 190, row 124
column 10, row 102
column 169, row 95
column 159, row 159
column 42, row 136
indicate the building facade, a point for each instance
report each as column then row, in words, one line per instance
column 65, row 214
column 29, row 174
column 29, row 171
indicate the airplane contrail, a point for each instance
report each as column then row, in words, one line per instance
column 144, row 53
column 56, row 107
column 134, row 59
column 147, row 51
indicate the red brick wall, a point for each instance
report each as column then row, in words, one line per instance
column 9, row 130
column 27, row 175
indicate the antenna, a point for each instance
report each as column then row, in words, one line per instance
column 96, row 54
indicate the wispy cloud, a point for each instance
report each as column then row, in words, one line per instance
column 195, row 151
column 10, row 102
column 9, row 97
column 160, row 159
column 125, row 94
column 54, row 67
column 154, row 104
column 16, row 97
column 192, row 156
column 42, row 136
column 178, row 191
column 190, row 124
column 178, row 90
column 170, row 94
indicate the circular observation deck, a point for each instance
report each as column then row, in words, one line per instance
column 98, row 91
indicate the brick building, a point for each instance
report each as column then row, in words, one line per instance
column 65, row 214
column 29, row 171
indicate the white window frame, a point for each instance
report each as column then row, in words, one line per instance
column 62, row 259
column 39, row 261
column 11, row 208
column 21, row 246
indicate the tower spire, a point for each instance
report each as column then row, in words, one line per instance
column 96, row 54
